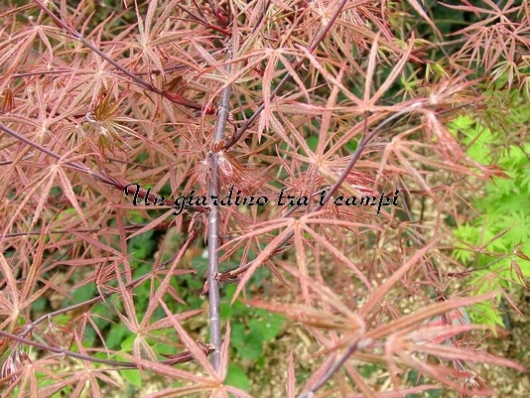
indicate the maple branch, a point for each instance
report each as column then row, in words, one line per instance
column 128, row 188
column 203, row 21
column 74, row 165
column 359, row 150
column 184, row 356
column 213, row 225
column 237, row 135
column 331, row 371
column 85, row 170
column 60, row 71
column 178, row 99
column 261, row 17
column 162, row 227
column 230, row 275
column 131, row 285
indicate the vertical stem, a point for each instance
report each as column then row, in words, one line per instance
column 213, row 268
column 213, row 226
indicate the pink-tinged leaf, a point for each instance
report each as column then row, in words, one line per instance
column 327, row 118
column 150, row 14
column 191, row 345
column 34, row 268
column 441, row 334
column 278, row 128
column 448, row 376
column 510, row 300
column 463, row 354
column 79, row 262
column 378, row 294
column 165, row 286
column 11, row 284
column 339, row 255
column 312, row 317
column 372, row 62
column 447, row 144
column 167, row 12
column 237, row 392
column 401, row 392
column 225, row 354
column 264, row 255
column 128, row 304
column 328, row 297
column 442, row 327
column 96, row 243
column 153, row 224
column 301, row 258
column 361, row 182
column 261, row 229
column 185, row 392
column 206, row 56
column 292, row 72
column 168, row 321
column 291, row 380
column 419, row 9
column 359, row 380
column 320, row 372
column 332, row 80
column 70, row 194
column 128, row 324
column 142, row 349
column 171, row 371
column 42, row 198
column 414, row 173
column 396, row 71
column 409, row 322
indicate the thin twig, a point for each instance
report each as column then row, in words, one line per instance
column 355, row 157
column 202, row 21
column 128, row 188
column 163, row 226
column 91, row 72
column 261, row 17
column 360, row 148
column 178, row 99
column 185, row 356
column 74, row 165
column 131, row 285
column 213, row 224
column 108, row 180
column 331, row 371
column 237, row 135
column 174, row 359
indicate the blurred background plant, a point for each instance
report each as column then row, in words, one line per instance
column 494, row 240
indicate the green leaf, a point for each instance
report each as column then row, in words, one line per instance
column 312, row 142
column 226, row 310
column 269, row 324
column 142, row 246
column 128, row 344
column 133, row 376
column 84, row 293
column 236, row 377
column 252, row 346
column 116, row 336
column 237, row 334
